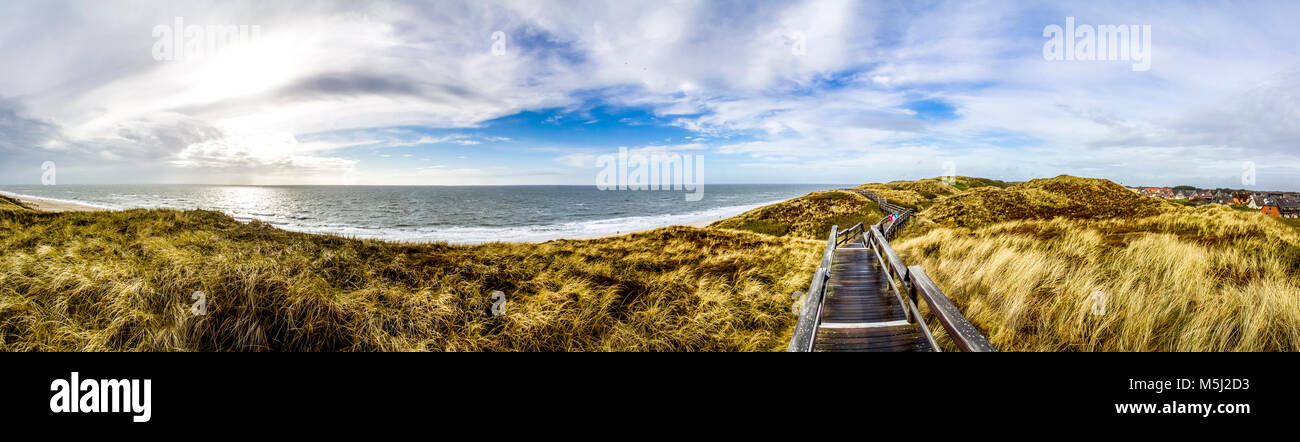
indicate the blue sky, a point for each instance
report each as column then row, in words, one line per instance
column 819, row 91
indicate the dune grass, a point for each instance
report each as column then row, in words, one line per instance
column 122, row 281
column 1063, row 196
column 10, row 204
column 1292, row 222
column 1067, row 277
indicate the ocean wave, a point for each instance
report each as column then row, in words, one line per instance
column 537, row 233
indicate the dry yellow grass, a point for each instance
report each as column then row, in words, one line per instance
column 1189, row 279
column 810, row 216
column 114, row 281
column 8, row 204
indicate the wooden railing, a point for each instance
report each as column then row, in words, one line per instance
column 911, row 281
column 805, row 330
column 847, row 234
column 962, row 332
column 884, row 204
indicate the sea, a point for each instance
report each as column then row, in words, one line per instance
column 453, row 214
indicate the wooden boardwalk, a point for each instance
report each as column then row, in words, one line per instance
column 863, row 297
column 860, row 312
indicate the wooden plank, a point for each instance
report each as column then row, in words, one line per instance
column 863, row 324
column 895, row 343
column 894, row 347
column 902, row 337
column 863, row 317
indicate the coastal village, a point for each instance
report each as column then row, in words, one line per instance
column 1274, row 204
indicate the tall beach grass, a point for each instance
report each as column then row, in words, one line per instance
column 1146, row 276
column 124, row 281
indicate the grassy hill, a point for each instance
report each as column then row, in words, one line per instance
column 1069, row 263
column 1063, row 196
column 923, row 193
column 9, row 204
column 1291, row 222
column 1204, row 279
column 123, row 281
column 810, row 216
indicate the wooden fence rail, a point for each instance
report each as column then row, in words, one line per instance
column 967, row 337
column 806, row 330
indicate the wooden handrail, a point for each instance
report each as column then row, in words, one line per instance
column 845, row 235
column 805, row 331
column 967, row 337
column 880, row 201
column 881, row 249
column 889, row 258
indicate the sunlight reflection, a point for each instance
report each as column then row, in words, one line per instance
column 258, row 202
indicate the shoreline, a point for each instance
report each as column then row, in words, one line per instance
column 51, row 205
column 696, row 224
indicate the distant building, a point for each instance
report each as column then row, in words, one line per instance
column 1241, row 197
column 1289, row 208
column 1283, row 208
column 1222, row 197
column 1157, row 192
